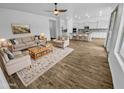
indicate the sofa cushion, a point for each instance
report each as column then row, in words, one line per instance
column 58, row 41
column 19, row 45
column 19, row 40
column 17, row 53
column 30, row 43
column 5, row 56
column 9, row 53
column 27, row 39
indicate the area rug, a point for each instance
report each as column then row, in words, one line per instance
column 41, row 65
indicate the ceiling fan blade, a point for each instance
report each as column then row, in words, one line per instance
column 56, row 11
column 48, row 11
column 62, row 10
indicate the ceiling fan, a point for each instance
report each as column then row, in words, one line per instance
column 57, row 11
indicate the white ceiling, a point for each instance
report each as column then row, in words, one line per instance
column 76, row 10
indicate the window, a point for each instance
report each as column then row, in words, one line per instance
column 119, row 47
column 111, row 29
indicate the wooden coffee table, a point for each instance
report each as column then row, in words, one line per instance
column 37, row 52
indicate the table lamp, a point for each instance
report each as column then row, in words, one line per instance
column 4, row 43
column 2, row 40
column 42, row 36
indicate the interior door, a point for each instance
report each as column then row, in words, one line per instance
column 52, row 25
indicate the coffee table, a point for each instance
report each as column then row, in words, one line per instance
column 37, row 52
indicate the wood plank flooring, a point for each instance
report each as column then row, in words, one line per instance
column 86, row 67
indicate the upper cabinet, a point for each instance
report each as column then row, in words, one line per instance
column 103, row 24
column 94, row 21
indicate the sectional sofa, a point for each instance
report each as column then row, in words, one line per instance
column 21, row 58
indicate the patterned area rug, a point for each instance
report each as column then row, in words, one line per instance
column 41, row 65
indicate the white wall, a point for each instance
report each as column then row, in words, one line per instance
column 38, row 24
column 70, row 25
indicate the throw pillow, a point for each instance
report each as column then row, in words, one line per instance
column 4, row 44
column 4, row 55
column 16, row 42
column 10, row 54
column 12, row 41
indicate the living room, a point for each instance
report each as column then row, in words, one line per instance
column 56, row 46
column 37, row 24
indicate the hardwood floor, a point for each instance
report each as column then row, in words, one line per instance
column 85, row 67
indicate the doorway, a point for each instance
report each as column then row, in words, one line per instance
column 52, row 25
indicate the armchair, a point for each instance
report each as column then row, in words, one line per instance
column 62, row 43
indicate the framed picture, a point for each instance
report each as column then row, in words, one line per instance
column 20, row 28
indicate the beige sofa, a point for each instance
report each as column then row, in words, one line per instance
column 25, row 42
column 20, row 61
